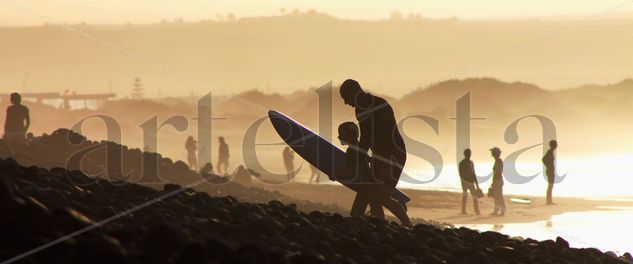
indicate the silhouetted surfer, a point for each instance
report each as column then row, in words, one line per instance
column 356, row 167
column 379, row 132
column 17, row 120
column 469, row 182
column 289, row 156
column 497, row 183
column 223, row 156
column 550, row 169
column 314, row 175
column 192, row 146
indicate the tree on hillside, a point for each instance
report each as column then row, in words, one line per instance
column 231, row 17
column 137, row 89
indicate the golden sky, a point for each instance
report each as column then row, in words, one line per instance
column 34, row 12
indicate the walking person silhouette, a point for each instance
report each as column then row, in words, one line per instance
column 379, row 133
column 469, row 182
column 497, row 183
column 191, row 145
column 223, row 156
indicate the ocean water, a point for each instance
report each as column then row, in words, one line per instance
column 605, row 230
column 603, row 176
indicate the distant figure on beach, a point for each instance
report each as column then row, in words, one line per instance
column 30, row 137
column 223, row 156
column 497, row 183
column 192, row 146
column 314, row 173
column 379, row 132
column 289, row 156
column 207, row 173
column 549, row 161
column 207, row 169
column 356, row 167
column 17, row 120
column 469, row 182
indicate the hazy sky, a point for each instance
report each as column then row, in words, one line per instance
column 29, row 12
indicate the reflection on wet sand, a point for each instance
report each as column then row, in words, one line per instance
column 599, row 229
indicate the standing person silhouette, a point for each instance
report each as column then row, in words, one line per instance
column 549, row 161
column 17, row 120
column 289, row 156
column 191, row 145
column 469, row 181
column 379, row 132
column 497, row 183
column 223, row 156
column 314, row 173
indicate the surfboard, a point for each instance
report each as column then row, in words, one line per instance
column 317, row 151
column 521, row 200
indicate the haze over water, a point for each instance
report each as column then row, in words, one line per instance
column 591, row 177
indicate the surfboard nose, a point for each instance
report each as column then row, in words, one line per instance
column 272, row 113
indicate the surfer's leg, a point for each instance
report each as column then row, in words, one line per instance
column 396, row 209
column 550, row 186
column 473, row 192
column 390, row 174
column 219, row 168
column 359, row 206
column 376, row 201
column 391, row 204
column 464, row 197
column 476, row 206
column 502, row 203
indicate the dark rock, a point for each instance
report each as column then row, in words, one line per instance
column 431, row 259
column 169, row 187
column 193, row 252
column 36, row 216
column 307, row 259
column 69, row 220
column 503, row 252
column 98, row 249
column 161, row 239
column 7, row 196
column 562, row 242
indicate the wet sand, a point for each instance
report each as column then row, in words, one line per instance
column 445, row 207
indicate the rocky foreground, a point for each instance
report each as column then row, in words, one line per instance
column 181, row 225
column 114, row 221
column 61, row 149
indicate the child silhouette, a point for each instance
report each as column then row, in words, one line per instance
column 356, row 167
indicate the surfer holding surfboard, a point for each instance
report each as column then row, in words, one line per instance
column 379, row 132
column 356, row 167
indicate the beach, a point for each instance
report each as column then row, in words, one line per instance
column 444, row 206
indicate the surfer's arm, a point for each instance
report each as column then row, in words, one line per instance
column 350, row 166
column 27, row 119
column 472, row 170
column 365, row 134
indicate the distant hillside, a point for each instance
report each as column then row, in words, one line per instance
column 289, row 53
column 588, row 111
